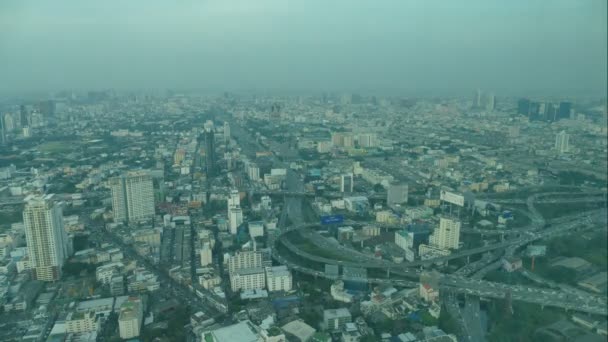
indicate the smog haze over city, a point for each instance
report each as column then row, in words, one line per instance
column 435, row 48
column 303, row 170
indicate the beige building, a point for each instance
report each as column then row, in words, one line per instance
column 132, row 197
column 46, row 239
column 130, row 318
column 80, row 322
column 447, row 235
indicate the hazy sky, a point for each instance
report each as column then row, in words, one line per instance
column 444, row 46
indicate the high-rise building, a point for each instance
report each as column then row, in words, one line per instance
column 47, row 241
column 477, row 99
column 564, row 110
column 23, row 116
column 253, row 171
column 562, row 142
column 234, row 199
column 447, row 235
column 550, row 113
column 278, row 278
column 210, row 152
column 235, row 219
column 347, row 183
column 132, row 197
column 523, row 107
column 2, row 130
column 226, row 132
column 130, row 318
column 490, row 102
column 244, row 259
column 397, row 193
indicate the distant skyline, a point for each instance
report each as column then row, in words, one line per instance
column 519, row 47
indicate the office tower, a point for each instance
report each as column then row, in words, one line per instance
column 550, row 112
column 206, row 254
column 132, row 197
column 23, row 116
column 130, row 318
column 564, row 110
column 235, row 219
column 562, row 142
column 489, row 102
column 210, row 152
column 523, row 107
column 477, row 99
column 447, row 235
column 347, row 183
column 226, row 132
column 2, row 130
column 47, row 241
column 397, row 193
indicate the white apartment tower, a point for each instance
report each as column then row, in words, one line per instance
column 562, row 142
column 132, row 197
column 245, row 259
column 46, row 238
column 447, row 235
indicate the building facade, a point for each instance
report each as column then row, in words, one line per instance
column 46, row 238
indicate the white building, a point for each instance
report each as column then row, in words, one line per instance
column 447, row 235
column 46, row 238
column 253, row 171
column 562, row 142
column 130, row 318
column 235, row 219
column 248, row 279
column 278, row 278
column 244, row 259
column 132, row 197
column 206, row 254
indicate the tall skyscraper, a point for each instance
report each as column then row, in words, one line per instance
column 132, row 197
column 47, row 241
column 397, row 193
column 210, row 152
column 523, row 107
column 347, row 183
column 562, row 142
column 226, row 132
column 477, row 99
column 23, row 116
column 2, row 131
column 564, row 110
column 447, row 235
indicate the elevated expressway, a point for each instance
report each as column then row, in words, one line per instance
column 459, row 283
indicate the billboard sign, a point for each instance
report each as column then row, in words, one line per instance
column 452, row 198
column 331, row 219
